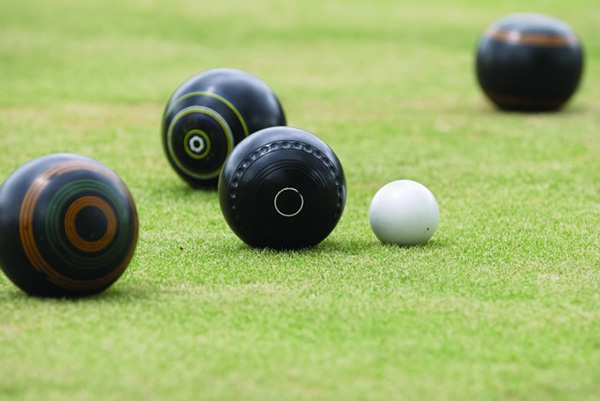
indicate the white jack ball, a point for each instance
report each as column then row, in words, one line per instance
column 404, row 212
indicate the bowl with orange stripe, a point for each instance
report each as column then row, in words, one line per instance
column 68, row 226
column 529, row 62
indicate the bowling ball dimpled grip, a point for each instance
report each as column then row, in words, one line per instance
column 282, row 188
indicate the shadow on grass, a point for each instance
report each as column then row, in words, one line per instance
column 357, row 246
column 350, row 247
column 566, row 110
column 114, row 294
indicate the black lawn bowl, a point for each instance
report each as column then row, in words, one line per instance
column 282, row 188
column 68, row 226
column 529, row 62
column 208, row 115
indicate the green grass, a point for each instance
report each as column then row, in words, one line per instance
column 502, row 304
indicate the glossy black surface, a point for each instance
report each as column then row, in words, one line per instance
column 282, row 188
column 211, row 113
column 529, row 62
column 68, row 226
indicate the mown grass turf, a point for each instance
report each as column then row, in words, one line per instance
column 502, row 304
